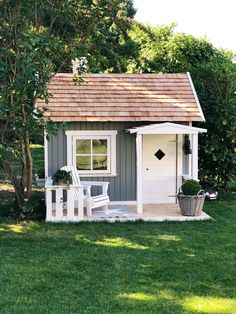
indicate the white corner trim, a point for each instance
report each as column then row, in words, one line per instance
column 113, row 153
column 69, row 149
column 196, row 97
column 139, row 165
column 179, row 169
column 45, row 154
column 195, row 156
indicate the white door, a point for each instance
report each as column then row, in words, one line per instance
column 159, row 172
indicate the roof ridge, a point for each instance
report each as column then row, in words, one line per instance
column 124, row 74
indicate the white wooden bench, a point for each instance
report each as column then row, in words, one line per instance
column 90, row 202
column 63, row 203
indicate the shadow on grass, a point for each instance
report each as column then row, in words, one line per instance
column 7, row 202
column 120, row 268
column 170, row 267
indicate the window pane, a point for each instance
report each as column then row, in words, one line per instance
column 99, row 162
column 99, row 146
column 83, row 147
column 83, row 162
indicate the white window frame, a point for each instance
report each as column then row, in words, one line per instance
column 108, row 154
column 109, row 135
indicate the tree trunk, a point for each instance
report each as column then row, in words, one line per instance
column 19, row 193
column 28, row 159
column 29, row 166
column 24, row 168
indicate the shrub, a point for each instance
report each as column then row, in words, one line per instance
column 191, row 187
column 40, row 174
column 63, row 176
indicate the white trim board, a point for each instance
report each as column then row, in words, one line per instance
column 92, row 132
column 139, row 166
column 135, row 217
column 122, row 203
column 45, row 155
column 166, row 128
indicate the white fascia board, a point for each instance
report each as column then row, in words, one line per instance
column 174, row 131
column 196, row 97
column 167, row 128
column 146, row 127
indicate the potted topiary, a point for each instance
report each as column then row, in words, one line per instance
column 40, row 177
column 62, row 177
column 191, row 198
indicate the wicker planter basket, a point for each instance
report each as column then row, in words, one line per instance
column 191, row 205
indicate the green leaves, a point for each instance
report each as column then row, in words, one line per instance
column 160, row 49
column 38, row 39
column 219, row 105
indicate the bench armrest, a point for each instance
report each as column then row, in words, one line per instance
column 104, row 185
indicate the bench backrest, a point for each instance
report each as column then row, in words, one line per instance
column 74, row 173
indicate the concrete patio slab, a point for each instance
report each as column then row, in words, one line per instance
column 152, row 213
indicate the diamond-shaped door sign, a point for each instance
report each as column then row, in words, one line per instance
column 159, row 154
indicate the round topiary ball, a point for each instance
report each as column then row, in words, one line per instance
column 191, row 187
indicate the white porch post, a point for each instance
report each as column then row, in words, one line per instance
column 195, row 156
column 139, row 152
column 45, row 155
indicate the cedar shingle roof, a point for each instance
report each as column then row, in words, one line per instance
column 123, row 97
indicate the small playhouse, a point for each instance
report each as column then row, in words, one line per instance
column 131, row 131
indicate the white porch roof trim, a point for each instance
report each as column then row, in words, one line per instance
column 166, row 128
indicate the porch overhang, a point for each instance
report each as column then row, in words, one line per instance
column 163, row 128
column 166, row 128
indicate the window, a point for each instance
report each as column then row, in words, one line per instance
column 92, row 152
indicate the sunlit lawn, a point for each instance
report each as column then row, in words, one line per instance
column 120, row 268
column 117, row 268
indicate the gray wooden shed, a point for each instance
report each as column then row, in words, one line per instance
column 128, row 129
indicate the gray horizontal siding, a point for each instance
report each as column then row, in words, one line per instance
column 123, row 186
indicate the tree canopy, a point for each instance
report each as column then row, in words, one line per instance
column 40, row 38
column 214, row 76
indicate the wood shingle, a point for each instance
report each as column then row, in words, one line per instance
column 123, row 97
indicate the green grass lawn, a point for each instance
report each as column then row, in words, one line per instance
column 186, row 267
column 6, row 190
column 37, row 155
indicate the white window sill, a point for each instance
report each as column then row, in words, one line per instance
column 97, row 175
